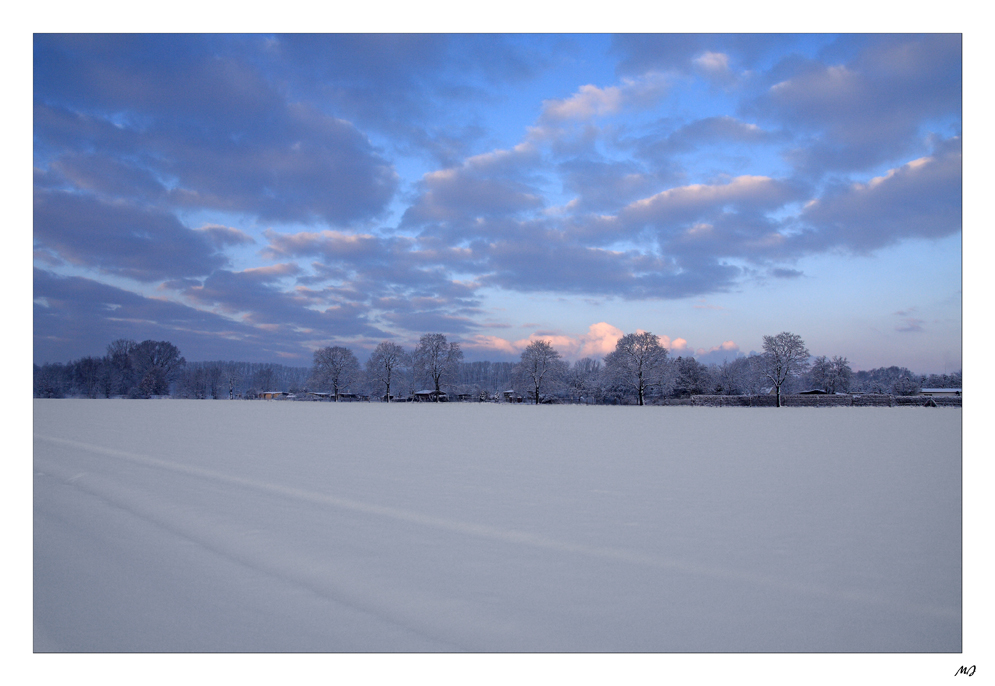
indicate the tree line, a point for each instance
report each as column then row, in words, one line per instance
column 638, row 371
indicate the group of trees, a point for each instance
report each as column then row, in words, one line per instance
column 129, row 369
column 433, row 364
column 639, row 370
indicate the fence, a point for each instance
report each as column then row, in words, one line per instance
column 851, row 400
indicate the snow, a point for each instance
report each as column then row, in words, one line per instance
column 245, row 526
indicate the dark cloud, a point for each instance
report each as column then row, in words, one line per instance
column 551, row 261
column 195, row 115
column 109, row 176
column 312, row 167
column 142, row 243
column 75, row 316
column 149, row 77
column 222, row 236
column 781, row 273
column 921, row 199
column 858, row 114
column 427, row 76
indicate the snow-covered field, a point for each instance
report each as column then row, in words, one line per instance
column 277, row 526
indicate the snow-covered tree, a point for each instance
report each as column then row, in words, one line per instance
column 689, row 376
column 335, row 368
column 384, row 365
column 437, row 361
column 840, row 375
column 638, row 363
column 540, row 366
column 157, row 364
column 785, row 357
column 584, row 380
column 820, row 372
column 121, row 373
column 906, row 384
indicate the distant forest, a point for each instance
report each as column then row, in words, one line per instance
column 157, row 369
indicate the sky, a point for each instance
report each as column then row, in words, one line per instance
column 256, row 197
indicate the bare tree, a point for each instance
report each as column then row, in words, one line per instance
column 231, row 373
column 638, row 363
column 840, row 375
column 436, row 360
column 384, row 364
column 86, row 376
column 121, row 373
column 540, row 364
column 335, row 367
column 785, row 357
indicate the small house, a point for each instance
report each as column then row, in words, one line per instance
column 431, row 397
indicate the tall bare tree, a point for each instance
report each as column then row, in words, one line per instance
column 334, row 367
column 540, row 365
column 384, row 364
column 437, row 360
column 785, row 357
column 638, row 362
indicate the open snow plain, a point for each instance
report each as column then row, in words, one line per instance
column 278, row 526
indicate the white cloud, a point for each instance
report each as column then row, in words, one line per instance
column 713, row 62
column 591, row 102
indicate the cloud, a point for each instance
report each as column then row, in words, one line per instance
column 569, row 124
column 869, row 109
column 660, row 144
column 728, row 350
column 688, row 203
column 195, row 119
column 426, row 75
column 920, row 199
column 599, row 340
column 487, row 185
column 142, row 243
column 712, row 62
column 109, row 176
column 223, row 236
column 601, row 185
column 590, row 102
column 489, row 344
column 76, row 316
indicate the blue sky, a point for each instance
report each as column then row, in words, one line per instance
column 255, row 197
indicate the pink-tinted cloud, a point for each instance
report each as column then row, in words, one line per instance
column 599, row 340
